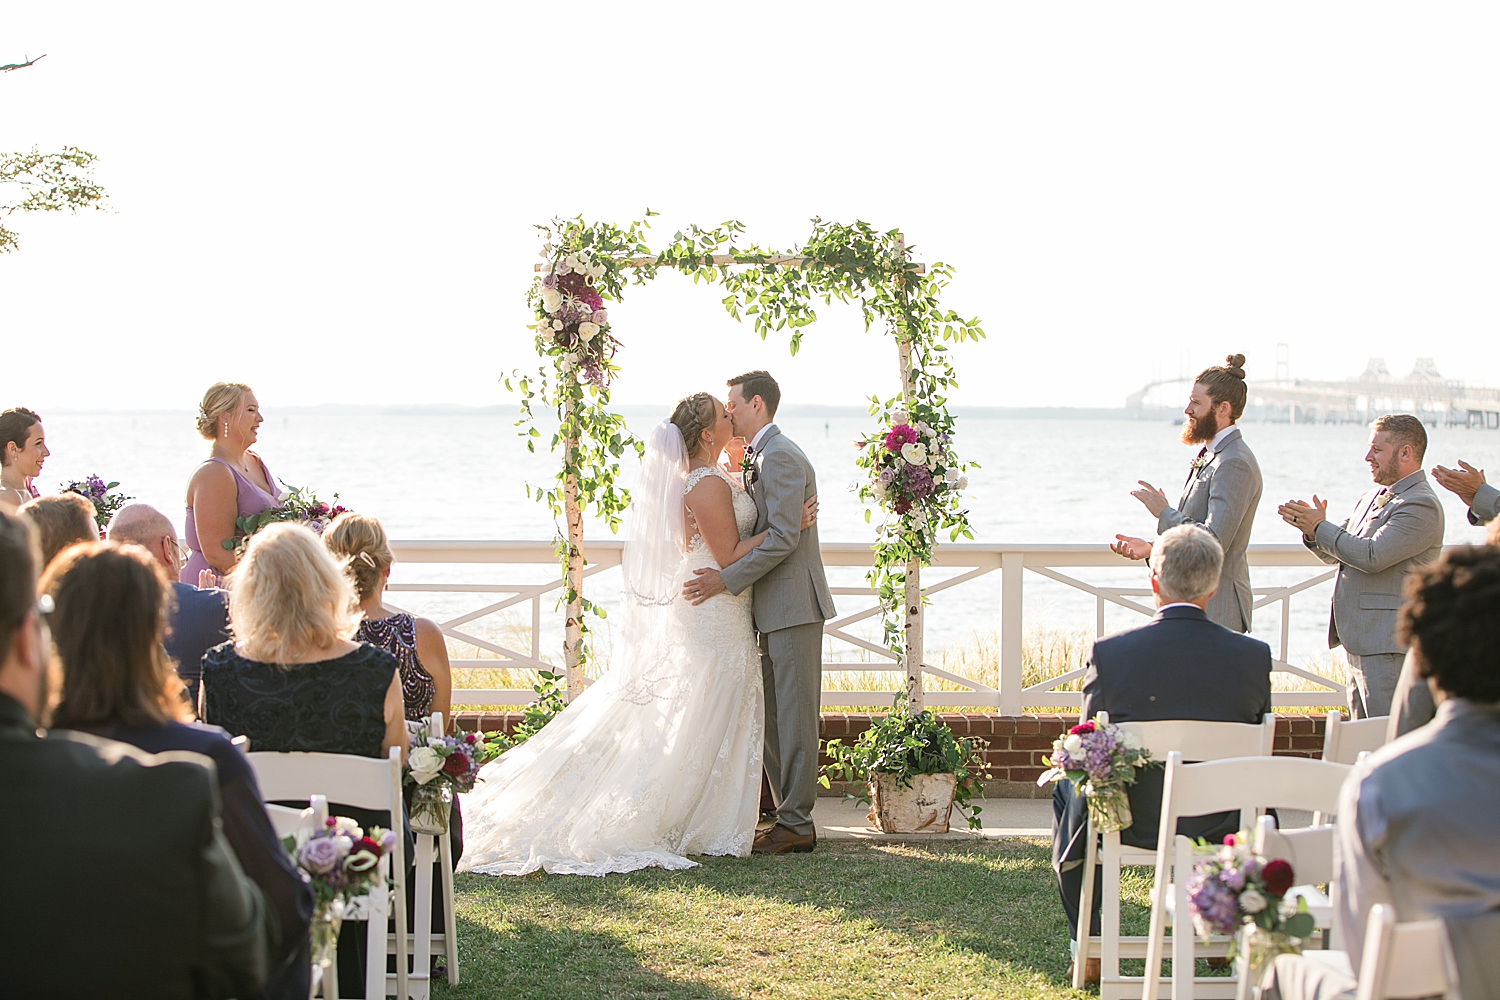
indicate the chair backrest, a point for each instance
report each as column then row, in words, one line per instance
column 1344, row 741
column 1309, row 850
column 289, row 822
column 435, row 724
column 1249, row 784
column 362, row 782
column 1203, row 740
column 1404, row 961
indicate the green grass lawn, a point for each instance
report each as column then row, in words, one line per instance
column 852, row 920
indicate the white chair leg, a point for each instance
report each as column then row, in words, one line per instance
column 377, row 912
column 1109, row 918
column 403, row 985
column 450, row 916
column 331, row 981
column 1154, row 936
column 1183, row 959
column 1243, row 989
column 1085, row 908
column 422, row 919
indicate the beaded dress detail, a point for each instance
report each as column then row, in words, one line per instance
column 657, row 760
column 397, row 635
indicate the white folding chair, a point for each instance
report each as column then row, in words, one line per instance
column 364, row 783
column 1400, row 961
column 1197, row 741
column 289, row 822
column 1343, row 741
column 423, row 936
column 1249, row 784
column 1310, row 853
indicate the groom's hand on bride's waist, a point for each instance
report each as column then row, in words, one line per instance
column 703, row 584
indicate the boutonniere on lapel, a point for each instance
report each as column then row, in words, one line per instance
column 1202, row 461
column 747, row 465
column 1386, row 496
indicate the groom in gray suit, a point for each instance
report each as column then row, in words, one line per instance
column 791, row 601
column 1393, row 530
column 1221, row 493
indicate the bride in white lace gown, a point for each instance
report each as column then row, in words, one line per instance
column 661, row 757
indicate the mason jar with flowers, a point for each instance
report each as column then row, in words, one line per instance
column 436, row 768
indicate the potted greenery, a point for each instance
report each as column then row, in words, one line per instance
column 914, row 771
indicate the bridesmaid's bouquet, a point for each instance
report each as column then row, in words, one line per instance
column 1101, row 760
column 297, row 504
column 97, row 492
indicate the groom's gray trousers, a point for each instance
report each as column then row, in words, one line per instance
column 791, row 664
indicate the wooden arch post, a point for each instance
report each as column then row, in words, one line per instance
column 911, row 592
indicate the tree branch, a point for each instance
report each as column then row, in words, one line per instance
column 21, row 65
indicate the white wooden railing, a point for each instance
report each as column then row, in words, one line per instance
column 965, row 562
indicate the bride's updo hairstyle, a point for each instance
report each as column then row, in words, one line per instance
column 694, row 415
column 222, row 398
column 1226, row 381
column 358, row 542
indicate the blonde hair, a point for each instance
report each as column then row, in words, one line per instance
column 359, row 542
column 220, row 399
column 288, row 596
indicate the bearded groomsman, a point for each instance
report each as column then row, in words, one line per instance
column 1393, row 530
column 1221, row 492
column 1482, row 499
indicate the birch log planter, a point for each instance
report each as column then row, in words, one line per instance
column 923, row 806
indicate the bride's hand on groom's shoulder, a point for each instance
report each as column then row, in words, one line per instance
column 703, row 584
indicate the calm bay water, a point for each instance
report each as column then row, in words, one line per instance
column 431, row 475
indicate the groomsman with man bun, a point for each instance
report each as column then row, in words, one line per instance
column 1221, row 492
column 1393, row 529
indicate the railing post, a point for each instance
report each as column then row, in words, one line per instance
column 1012, row 569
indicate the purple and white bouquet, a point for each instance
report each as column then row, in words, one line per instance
column 340, row 862
column 1101, row 760
column 440, row 766
column 572, row 323
column 97, row 492
column 296, row 503
column 1234, row 887
column 911, row 465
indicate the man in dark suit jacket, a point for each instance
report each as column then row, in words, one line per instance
column 1178, row 666
column 115, row 879
column 200, row 620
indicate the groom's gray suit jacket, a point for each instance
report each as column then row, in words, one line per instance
column 787, row 568
column 1222, row 497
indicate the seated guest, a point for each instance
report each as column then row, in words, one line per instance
column 110, row 612
column 1180, row 665
column 118, row 881
column 1416, row 820
column 199, row 618
column 23, row 449
column 62, row 520
column 1413, row 707
column 292, row 679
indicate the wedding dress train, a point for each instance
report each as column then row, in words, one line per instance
column 658, row 759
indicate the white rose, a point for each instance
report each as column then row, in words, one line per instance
column 932, row 463
column 962, row 484
column 926, row 430
column 343, row 826
column 1073, row 746
column 570, row 360
column 916, row 454
column 1251, row 901
column 953, row 475
column 900, row 417
column 425, row 764
column 572, row 263
column 596, row 272
column 880, row 490
column 551, row 299
column 587, row 332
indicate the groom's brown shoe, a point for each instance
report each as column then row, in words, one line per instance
column 780, row 840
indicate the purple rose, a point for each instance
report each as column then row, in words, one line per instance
column 319, row 855
column 388, row 841
column 601, row 316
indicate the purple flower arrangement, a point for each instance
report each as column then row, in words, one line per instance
column 912, row 466
column 97, row 492
column 572, row 323
column 455, row 760
column 297, row 503
column 1234, row 887
column 341, row 861
column 1102, row 761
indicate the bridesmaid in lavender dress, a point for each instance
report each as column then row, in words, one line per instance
column 233, row 483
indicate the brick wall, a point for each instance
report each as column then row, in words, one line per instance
column 1018, row 745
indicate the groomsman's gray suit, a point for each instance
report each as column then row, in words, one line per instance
column 1373, row 549
column 791, row 601
column 1222, row 497
column 1486, row 505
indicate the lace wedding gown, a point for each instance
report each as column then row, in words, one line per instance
column 657, row 760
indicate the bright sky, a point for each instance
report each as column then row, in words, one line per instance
column 334, row 202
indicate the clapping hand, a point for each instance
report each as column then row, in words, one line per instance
column 1130, row 547
column 1155, row 500
column 209, row 580
column 1465, row 482
column 1304, row 516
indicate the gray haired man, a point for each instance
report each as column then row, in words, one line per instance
column 1392, row 530
column 790, row 602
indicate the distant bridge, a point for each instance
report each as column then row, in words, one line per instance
column 1425, row 393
